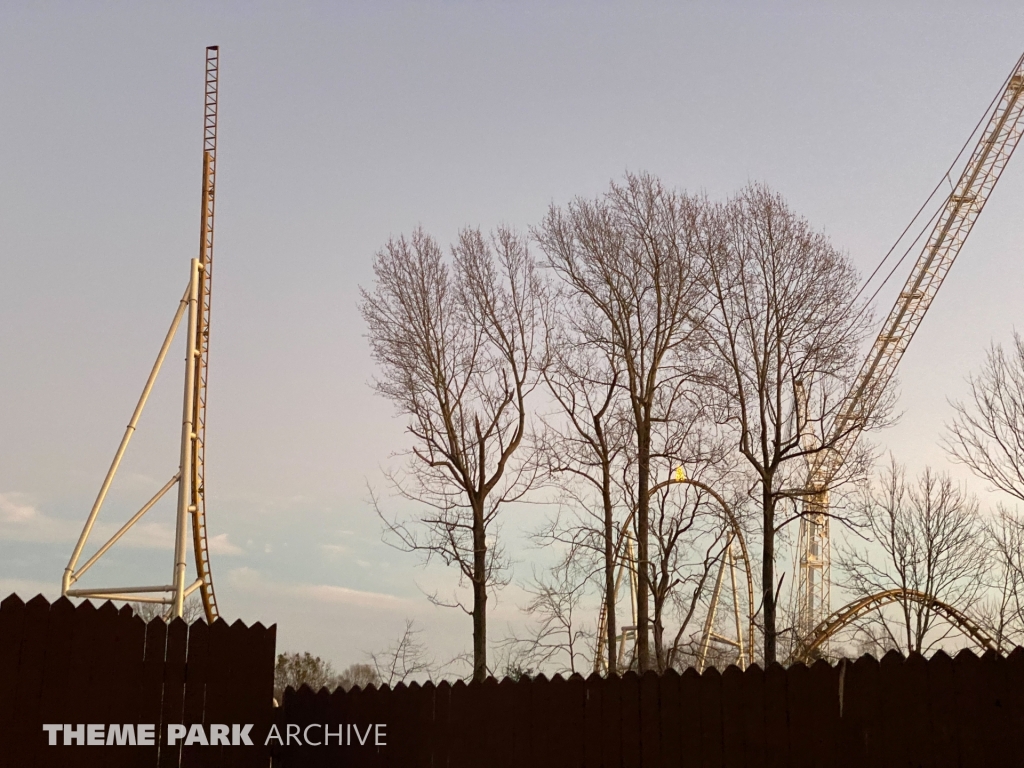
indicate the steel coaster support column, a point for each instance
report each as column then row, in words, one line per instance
column 185, row 508
column 709, row 622
column 69, row 573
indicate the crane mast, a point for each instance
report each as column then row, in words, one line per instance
column 954, row 223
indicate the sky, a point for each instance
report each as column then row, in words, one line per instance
column 343, row 124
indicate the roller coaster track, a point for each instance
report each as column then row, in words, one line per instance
column 845, row 615
column 198, row 490
column 191, row 476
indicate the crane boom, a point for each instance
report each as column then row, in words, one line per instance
column 954, row 223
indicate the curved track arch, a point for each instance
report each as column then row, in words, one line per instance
column 845, row 615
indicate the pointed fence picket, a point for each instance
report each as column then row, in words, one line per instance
column 61, row 663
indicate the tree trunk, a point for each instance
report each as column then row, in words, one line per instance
column 768, row 576
column 610, row 540
column 642, row 535
column 479, row 597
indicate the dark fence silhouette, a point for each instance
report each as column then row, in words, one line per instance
column 966, row 711
column 65, row 664
column 81, row 665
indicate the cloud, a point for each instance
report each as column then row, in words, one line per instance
column 335, row 549
column 21, row 520
column 246, row 579
column 219, row 545
column 14, row 511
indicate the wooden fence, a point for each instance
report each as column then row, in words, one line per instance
column 966, row 711
column 65, row 664
column 68, row 665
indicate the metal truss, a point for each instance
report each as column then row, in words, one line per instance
column 959, row 213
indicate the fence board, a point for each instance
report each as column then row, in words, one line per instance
column 710, row 692
column 558, row 735
column 751, row 715
column 499, row 733
column 732, row 727
column 801, row 713
column 944, row 718
column 892, row 749
column 102, row 679
column 540, row 721
column 399, row 721
column 650, row 730
column 52, row 705
column 629, row 703
column 152, row 687
column 857, row 702
column 691, row 750
column 592, row 722
column 423, row 725
column 668, row 719
column 244, row 661
column 28, row 735
column 574, row 728
column 220, row 654
column 128, row 655
column 443, row 724
column 465, row 720
column 611, row 722
column 174, row 690
column 376, row 703
column 319, row 715
column 1014, row 732
column 825, row 688
column 337, row 716
column 916, row 715
column 12, row 625
column 968, row 703
column 776, row 717
column 993, row 714
column 197, row 659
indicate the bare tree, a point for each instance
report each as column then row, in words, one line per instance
column 358, row 676
column 404, row 658
column 987, row 434
column 783, row 314
column 455, row 345
column 582, row 447
column 1001, row 611
column 924, row 536
column 293, row 670
column 556, row 639
column 627, row 267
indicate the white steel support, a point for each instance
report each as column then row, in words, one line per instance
column 70, row 575
column 188, row 436
column 190, row 517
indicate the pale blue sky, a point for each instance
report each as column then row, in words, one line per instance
column 345, row 123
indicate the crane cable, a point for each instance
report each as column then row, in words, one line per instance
column 927, row 226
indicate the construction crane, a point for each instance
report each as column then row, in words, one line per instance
column 952, row 225
column 190, row 478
